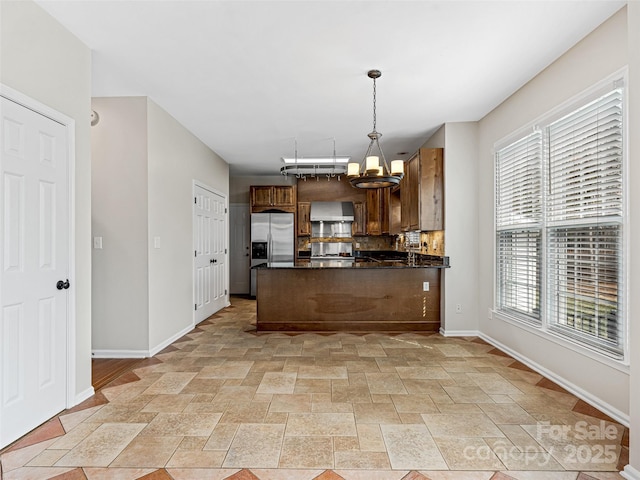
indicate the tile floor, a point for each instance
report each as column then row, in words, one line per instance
column 226, row 403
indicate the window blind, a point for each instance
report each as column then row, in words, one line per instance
column 518, row 222
column 585, row 162
column 584, row 279
column 518, row 256
column 584, row 223
column 518, row 192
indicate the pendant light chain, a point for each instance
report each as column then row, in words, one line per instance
column 374, row 104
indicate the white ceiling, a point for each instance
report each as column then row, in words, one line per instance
column 249, row 77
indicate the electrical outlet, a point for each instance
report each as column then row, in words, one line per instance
column 425, row 286
column 490, row 314
column 357, row 244
column 97, row 242
column 458, row 308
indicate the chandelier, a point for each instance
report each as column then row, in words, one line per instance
column 369, row 173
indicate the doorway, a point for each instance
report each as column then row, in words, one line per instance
column 240, row 248
column 210, row 251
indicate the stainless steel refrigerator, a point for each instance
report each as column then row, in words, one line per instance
column 272, row 240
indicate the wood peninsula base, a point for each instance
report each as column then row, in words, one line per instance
column 348, row 299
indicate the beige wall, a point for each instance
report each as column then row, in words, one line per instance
column 176, row 159
column 437, row 140
column 597, row 56
column 43, row 60
column 145, row 164
column 633, row 27
column 119, row 215
column 459, row 141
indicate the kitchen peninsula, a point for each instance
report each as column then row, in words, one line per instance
column 349, row 269
column 365, row 295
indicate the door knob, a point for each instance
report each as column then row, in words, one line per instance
column 60, row 285
column 213, row 260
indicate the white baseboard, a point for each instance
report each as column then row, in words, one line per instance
column 169, row 341
column 630, row 473
column 596, row 402
column 140, row 353
column 459, row 333
column 82, row 396
column 119, row 353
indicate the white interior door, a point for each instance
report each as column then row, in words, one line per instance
column 240, row 248
column 210, row 248
column 34, row 218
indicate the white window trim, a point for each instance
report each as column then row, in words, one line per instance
column 544, row 330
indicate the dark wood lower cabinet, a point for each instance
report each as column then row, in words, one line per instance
column 348, row 299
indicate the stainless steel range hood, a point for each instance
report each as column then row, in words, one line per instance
column 331, row 212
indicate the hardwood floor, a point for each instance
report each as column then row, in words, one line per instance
column 105, row 370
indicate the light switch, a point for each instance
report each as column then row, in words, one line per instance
column 156, row 242
column 97, row 242
column 425, row 286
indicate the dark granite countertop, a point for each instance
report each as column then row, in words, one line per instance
column 362, row 263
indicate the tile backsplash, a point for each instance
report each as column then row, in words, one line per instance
column 431, row 243
column 384, row 242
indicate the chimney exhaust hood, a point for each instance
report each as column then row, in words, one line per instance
column 331, row 212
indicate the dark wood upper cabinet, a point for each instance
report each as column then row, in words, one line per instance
column 421, row 191
column 359, row 225
column 395, row 212
column 284, row 196
column 304, row 220
column 273, row 197
column 261, row 196
column 378, row 211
